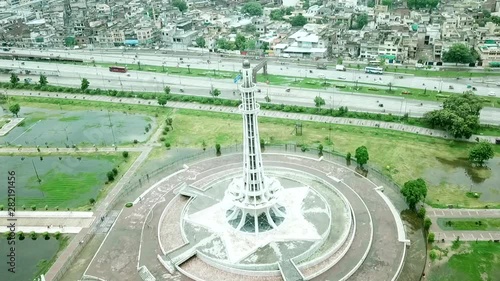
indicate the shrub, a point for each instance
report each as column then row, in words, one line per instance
column 33, row 235
column 46, row 207
column 129, row 204
column 115, row 171
column 348, row 156
column 1, row 207
column 433, row 255
column 427, row 224
column 46, row 235
column 162, row 139
column 57, row 235
column 21, row 235
column 217, row 149
column 33, row 207
column 421, row 213
column 430, row 237
column 125, row 153
column 167, row 145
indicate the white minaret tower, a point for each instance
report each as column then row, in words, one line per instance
column 253, row 199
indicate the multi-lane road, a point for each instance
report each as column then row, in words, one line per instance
column 71, row 75
column 484, row 86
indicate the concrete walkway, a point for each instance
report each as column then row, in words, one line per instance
column 264, row 113
column 68, row 150
column 43, row 221
column 9, row 126
column 465, row 235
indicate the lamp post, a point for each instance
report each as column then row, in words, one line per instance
column 189, row 69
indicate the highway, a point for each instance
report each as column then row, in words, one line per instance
column 99, row 77
column 483, row 86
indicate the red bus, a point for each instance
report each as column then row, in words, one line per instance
column 117, row 69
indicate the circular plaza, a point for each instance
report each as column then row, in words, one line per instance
column 338, row 225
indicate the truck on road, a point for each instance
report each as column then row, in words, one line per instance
column 340, row 67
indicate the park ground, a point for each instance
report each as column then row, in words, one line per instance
column 465, row 261
column 401, row 156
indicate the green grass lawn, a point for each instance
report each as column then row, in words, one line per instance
column 470, row 224
column 66, row 181
column 470, row 262
column 404, row 156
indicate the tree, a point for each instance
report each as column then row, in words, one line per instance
column 223, row 44
column 166, row 90
column 85, row 84
column 162, row 100
column 459, row 116
column 390, row 86
column 481, row 152
column 240, row 42
column 361, row 21
column 125, row 154
column 111, row 176
column 43, row 80
column 92, row 201
column 361, row 155
column 14, row 79
column 319, row 101
column 427, row 224
column 250, row 28
column 69, row 41
column 459, row 53
column 180, row 4
column 265, row 46
column 414, row 191
column 277, row 14
column 298, row 20
column 200, row 42
column 217, row 149
column 305, row 5
column 252, row 8
column 215, row 92
column 387, row 3
column 250, row 44
column 15, row 108
column 340, row 60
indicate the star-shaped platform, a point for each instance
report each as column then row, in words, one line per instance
column 239, row 244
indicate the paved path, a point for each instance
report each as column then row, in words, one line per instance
column 448, row 235
column 43, row 221
column 68, row 150
column 266, row 113
column 68, row 253
column 9, row 126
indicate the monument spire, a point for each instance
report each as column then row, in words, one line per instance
column 254, row 197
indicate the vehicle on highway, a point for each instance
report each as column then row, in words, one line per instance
column 182, row 90
column 287, row 89
column 340, row 67
column 474, row 88
column 285, row 55
column 374, row 70
column 381, row 105
column 121, row 69
column 321, row 65
column 492, row 94
column 341, row 78
column 450, row 87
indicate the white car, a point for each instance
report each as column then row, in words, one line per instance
column 492, row 94
column 341, row 78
